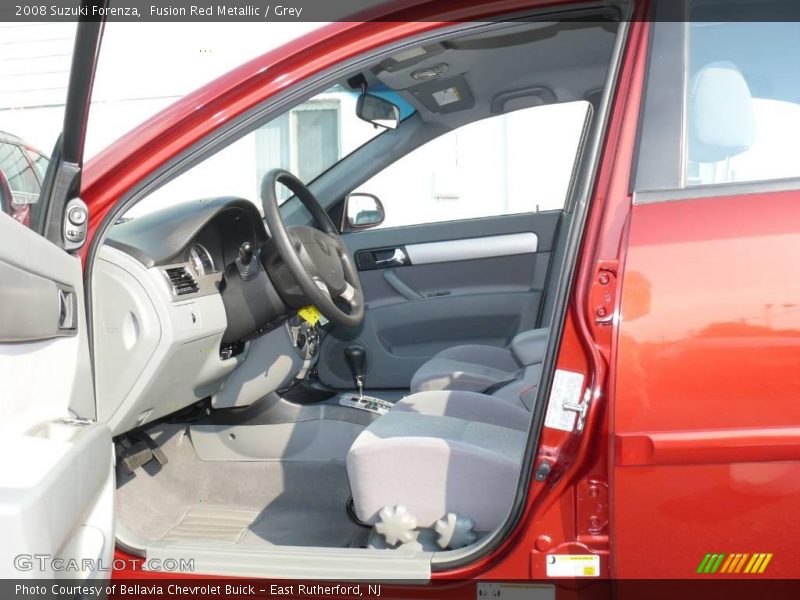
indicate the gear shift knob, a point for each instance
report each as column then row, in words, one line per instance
column 356, row 357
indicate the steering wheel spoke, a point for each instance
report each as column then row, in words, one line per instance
column 349, row 294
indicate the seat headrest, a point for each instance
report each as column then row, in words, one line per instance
column 721, row 118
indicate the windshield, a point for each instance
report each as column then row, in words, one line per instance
column 306, row 140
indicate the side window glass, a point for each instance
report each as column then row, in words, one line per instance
column 743, row 102
column 517, row 162
column 39, row 161
column 306, row 140
column 23, row 185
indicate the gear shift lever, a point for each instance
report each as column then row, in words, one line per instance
column 356, row 357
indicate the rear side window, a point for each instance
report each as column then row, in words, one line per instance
column 742, row 102
column 722, row 105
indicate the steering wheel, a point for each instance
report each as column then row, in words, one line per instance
column 316, row 258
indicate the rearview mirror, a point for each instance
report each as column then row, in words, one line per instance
column 378, row 111
column 363, row 211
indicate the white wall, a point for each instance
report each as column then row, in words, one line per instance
column 143, row 68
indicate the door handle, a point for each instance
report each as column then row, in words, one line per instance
column 398, row 259
column 382, row 258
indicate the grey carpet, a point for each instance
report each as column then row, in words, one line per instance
column 293, row 503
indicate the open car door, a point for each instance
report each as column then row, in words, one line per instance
column 57, row 471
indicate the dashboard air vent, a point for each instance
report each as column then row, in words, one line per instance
column 182, row 281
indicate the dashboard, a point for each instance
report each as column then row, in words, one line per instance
column 174, row 317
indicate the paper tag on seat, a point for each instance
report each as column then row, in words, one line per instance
column 310, row 314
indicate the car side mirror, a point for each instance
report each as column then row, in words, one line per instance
column 363, row 211
column 17, row 205
column 378, row 111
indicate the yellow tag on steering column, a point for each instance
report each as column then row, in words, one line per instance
column 310, row 314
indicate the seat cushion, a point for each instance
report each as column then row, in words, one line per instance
column 469, row 406
column 472, row 368
column 434, row 465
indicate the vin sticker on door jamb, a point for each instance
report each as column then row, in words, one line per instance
column 567, row 386
column 573, row 565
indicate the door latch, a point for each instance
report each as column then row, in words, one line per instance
column 581, row 408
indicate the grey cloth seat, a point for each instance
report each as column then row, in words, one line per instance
column 439, row 452
column 478, row 368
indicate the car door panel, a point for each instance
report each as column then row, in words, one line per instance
column 46, row 374
column 57, row 478
column 477, row 281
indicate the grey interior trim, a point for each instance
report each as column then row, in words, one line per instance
column 542, row 224
column 29, row 306
column 472, row 248
column 273, row 351
column 393, row 279
column 717, row 190
column 292, row 562
column 274, row 409
column 314, row 440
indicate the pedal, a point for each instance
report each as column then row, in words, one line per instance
column 155, row 449
column 136, row 450
column 133, row 457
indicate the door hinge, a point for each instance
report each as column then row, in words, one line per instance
column 603, row 302
column 604, row 291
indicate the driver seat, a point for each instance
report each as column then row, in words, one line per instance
column 478, row 368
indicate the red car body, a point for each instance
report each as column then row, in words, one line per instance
column 693, row 425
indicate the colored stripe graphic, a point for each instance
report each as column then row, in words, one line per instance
column 700, row 569
column 751, row 564
column 753, row 568
column 727, row 564
column 716, row 564
column 765, row 563
column 741, row 562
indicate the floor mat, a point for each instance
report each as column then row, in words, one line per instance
column 296, row 503
column 212, row 523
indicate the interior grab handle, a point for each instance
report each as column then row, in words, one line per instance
column 400, row 286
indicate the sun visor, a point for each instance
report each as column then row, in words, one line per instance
column 444, row 95
column 525, row 98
